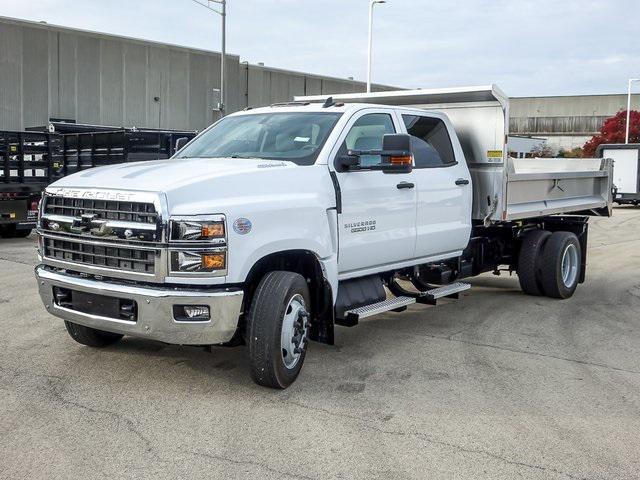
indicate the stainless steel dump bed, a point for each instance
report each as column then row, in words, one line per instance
column 505, row 188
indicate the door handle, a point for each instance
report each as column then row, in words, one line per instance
column 403, row 185
column 462, row 181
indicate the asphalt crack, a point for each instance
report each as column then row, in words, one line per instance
column 11, row 260
column 250, row 463
column 516, row 350
column 53, row 386
column 459, row 448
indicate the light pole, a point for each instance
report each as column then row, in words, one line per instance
column 631, row 80
column 223, row 14
column 372, row 3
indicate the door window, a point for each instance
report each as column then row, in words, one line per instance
column 366, row 134
column 430, row 141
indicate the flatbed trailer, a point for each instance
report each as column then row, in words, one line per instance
column 28, row 162
column 96, row 149
column 31, row 160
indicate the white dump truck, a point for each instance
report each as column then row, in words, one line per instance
column 276, row 224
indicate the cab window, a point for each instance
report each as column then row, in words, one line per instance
column 430, row 141
column 366, row 134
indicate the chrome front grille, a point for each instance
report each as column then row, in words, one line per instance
column 127, row 211
column 104, row 232
column 117, row 257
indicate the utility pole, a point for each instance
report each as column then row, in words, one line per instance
column 631, row 80
column 223, row 14
column 372, row 3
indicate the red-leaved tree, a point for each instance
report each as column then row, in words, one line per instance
column 613, row 131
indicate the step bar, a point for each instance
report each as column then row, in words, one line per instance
column 353, row 316
column 401, row 302
column 447, row 291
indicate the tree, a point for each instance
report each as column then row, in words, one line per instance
column 613, row 131
column 542, row 150
column 573, row 153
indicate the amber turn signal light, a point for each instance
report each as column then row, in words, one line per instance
column 404, row 160
column 213, row 261
column 213, row 230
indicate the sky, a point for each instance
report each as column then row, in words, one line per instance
column 542, row 47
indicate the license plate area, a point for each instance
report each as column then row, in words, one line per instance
column 93, row 304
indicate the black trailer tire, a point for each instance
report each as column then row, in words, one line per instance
column 22, row 233
column 529, row 262
column 7, row 231
column 90, row 336
column 281, row 298
column 560, row 265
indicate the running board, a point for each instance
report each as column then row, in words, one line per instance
column 431, row 296
column 353, row 316
column 449, row 291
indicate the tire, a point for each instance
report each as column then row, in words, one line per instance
column 529, row 262
column 8, row 231
column 560, row 265
column 90, row 336
column 22, row 233
column 279, row 298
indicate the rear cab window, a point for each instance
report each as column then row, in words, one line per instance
column 430, row 141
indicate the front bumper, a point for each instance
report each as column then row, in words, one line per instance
column 155, row 318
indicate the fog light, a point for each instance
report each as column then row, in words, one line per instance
column 192, row 313
column 188, row 261
column 213, row 261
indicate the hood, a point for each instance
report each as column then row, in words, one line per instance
column 168, row 175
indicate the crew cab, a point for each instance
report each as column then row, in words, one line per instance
column 276, row 224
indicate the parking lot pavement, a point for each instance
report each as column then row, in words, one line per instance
column 499, row 385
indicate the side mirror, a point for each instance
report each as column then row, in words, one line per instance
column 181, row 142
column 397, row 156
column 349, row 161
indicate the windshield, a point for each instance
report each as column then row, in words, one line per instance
column 297, row 137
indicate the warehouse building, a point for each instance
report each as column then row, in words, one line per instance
column 48, row 71
column 566, row 122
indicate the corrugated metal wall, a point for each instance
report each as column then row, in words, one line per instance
column 54, row 72
column 579, row 125
column 575, row 105
column 579, row 115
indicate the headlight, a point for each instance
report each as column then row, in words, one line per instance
column 191, row 261
column 198, row 229
column 199, row 246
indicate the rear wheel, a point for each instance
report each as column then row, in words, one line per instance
column 560, row 265
column 278, row 325
column 90, row 336
column 529, row 262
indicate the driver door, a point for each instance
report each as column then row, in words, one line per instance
column 377, row 224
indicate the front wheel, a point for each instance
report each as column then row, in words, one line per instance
column 277, row 326
column 90, row 336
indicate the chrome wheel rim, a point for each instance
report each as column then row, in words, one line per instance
column 293, row 339
column 570, row 265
